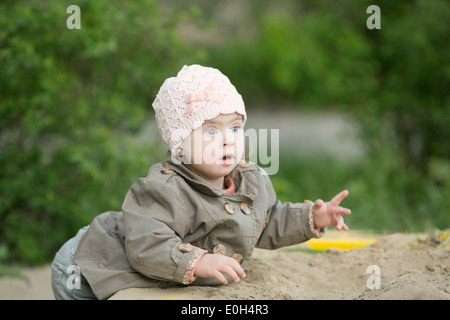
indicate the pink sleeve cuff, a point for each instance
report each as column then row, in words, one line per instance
column 189, row 276
column 316, row 231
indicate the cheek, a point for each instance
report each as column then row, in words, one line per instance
column 192, row 148
column 211, row 149
column 239, row 147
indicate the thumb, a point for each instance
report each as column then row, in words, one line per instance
column 318, row 203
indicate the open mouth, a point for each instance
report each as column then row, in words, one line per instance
column 227, row 158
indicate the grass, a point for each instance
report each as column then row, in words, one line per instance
column 12, row 271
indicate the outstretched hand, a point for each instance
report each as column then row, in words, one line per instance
column 329, row 214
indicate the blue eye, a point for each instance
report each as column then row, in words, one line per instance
column 212, row 131
column 235, row 129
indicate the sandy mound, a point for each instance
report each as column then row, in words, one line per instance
column 409, row 268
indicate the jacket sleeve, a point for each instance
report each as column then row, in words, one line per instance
column 286, row 223
column 156, row 221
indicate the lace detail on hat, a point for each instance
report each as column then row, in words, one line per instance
column 195, row 95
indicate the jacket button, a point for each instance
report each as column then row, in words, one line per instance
column 238, row 257
column 229, row 208
column 219, row 249
column 167, row 171
column 185, row 247
column 244, row 208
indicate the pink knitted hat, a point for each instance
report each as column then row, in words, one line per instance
column 197, row 94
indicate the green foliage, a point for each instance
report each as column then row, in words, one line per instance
column 309, row 54
column 71, row 101
column 412, row 101
column 394, row 81
column 383, row 196
column 320, row 53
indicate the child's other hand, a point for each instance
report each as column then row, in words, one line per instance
column 329, row 214
column 214, row 265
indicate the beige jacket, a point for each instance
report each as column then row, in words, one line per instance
column 172, row 217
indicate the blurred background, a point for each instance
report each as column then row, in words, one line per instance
column 366, row 110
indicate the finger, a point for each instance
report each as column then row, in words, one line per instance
column 339, row 197
column 219, row 276
column 343, row 211
column 343, row 226
column 340, row 225
column 318, row 203
column 230, row 271
column 238, row 269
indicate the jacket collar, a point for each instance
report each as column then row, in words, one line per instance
column 245, row 191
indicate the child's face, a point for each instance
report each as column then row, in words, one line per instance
column 215, row 148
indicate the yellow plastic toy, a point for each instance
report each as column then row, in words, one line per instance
column 340, row 243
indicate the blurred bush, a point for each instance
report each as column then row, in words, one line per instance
column 319, row 55
column 70, row 103
column 384, row 197
column 316, row 54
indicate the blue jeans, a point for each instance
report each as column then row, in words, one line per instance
column 67, row 281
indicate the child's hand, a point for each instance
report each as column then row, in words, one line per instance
column 329, row 214
column 214, row 265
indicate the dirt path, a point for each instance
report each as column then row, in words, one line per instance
column 36, row 287
column 325, row 133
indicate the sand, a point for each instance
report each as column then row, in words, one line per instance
column 410, row 267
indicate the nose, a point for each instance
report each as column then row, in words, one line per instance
column 229, row 138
